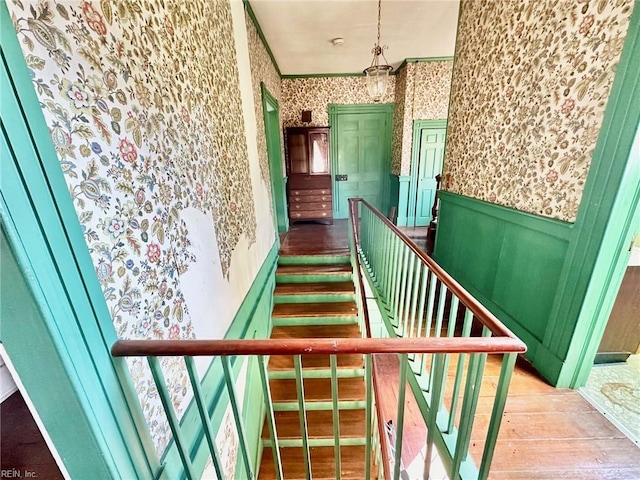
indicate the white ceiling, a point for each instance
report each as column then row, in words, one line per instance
column 299, row 32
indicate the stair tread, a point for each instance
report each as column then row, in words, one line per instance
column 319, row 424
column 285, row 362
column 322, row 463
column 313, row 269
column 326, row 309
column 317, row 331
column 311, row 288
column 317, row 389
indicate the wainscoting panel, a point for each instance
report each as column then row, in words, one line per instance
column 510, row 260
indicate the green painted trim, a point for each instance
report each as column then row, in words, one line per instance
column 299, row 321
column 324, row 373
column 321, row 75
column 314, row 298
column 256, row 24
column 251, row 321
column 334, row 112
column 313, row 278
column 314, row 260
column 274, row 152
column 421, row 60
column 418, row 125
column 402, row 200
column 74, row 326
column 603, row 222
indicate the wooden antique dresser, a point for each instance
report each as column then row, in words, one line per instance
column 309, row 183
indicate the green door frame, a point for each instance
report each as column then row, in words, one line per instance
column 271, row 114
column 418, row 125
column 595, row 262
column 55, row 323
column 334, row 112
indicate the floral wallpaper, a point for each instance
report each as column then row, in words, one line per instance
column 422, row 93
column 146, row 119
column 529, row 90
column 316, row 93
column 262, row 70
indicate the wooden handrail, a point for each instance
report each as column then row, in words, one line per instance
column 315, row 346
column 487, row 318
column 382, row 431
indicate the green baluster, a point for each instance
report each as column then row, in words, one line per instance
column 271, row 419
column 438, row 392
column 466, row 331
column 368, row 367
column 233, row 399
column 174, row 424
column 336, row 414
column 302, row 411
column 508, row 363
column 204, row 415
column 400, row 415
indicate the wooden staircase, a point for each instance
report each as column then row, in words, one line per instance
column 315, row 298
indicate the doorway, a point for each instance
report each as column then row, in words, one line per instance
column 271, row 113
column 426, row 162
column 360, row 154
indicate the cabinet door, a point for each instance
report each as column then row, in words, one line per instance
column 318, row 153
column 297, row 143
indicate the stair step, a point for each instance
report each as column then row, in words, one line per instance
column 342, row 405
column 317, row 373
column 314, row 292
column 319, row 424
column 313, row 259
column 352, row 465
column 324, row 313
column 316, row 442
column 285, row 362
column 317, row 331
column 317, row 389
column 313, row 273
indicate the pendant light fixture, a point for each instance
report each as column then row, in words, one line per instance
column 377, row 74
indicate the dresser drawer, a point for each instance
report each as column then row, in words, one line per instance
column 310, row 206
column 311, row 214
column 314, row 191
column 311, row 198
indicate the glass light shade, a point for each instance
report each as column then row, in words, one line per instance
column 377, row 80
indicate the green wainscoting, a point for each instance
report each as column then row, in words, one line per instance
column 510, row 260
column 253, row 320
column 399, row 197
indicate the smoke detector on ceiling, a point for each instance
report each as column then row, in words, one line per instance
column 338, row 42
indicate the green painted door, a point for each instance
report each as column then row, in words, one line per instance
column 362, row 159
column 430, row 157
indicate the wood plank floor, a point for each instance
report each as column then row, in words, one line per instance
column 546, row 433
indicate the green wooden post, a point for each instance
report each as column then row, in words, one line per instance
column 466, row 331
column 174, row 423
column 414, row 298
column 506, row 370
column 204, row 415
column 408, row 292
column 429, row 315
column 402, row 387
column 432, row 425
column 271, row 421
column 469, row 404
column 233, row 399
column 421, row 313
column 368, row 367
column 336, row 414
column 302, row 412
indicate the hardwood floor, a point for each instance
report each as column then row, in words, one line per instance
column 546, row 433
column 22, row 447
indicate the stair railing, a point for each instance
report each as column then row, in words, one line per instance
column 419, row 301
column 387, row 272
